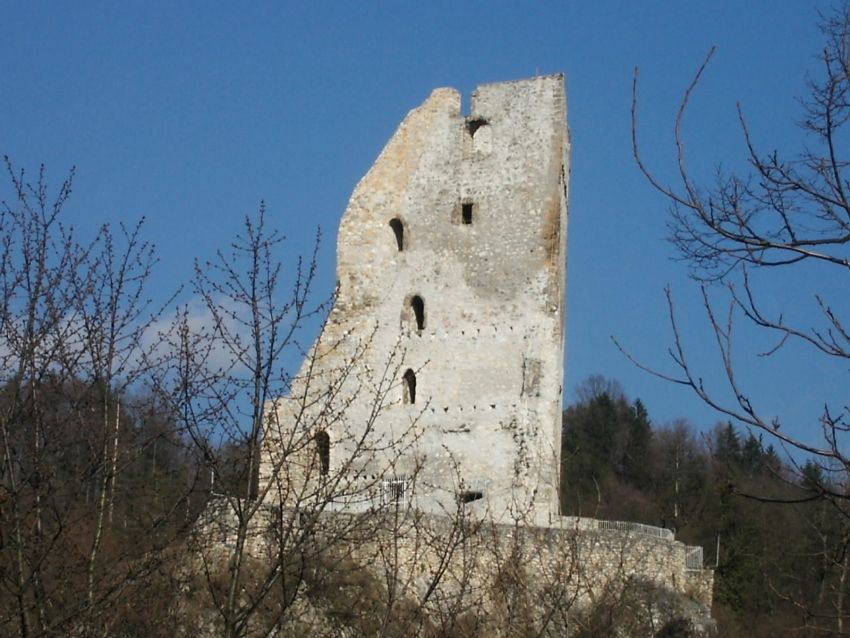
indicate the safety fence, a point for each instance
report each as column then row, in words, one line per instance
column 589, row 524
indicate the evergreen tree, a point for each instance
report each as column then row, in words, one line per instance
column 635, row 460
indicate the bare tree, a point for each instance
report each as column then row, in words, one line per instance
column 784, row 214
column 302, row 538
column 117, row 427
column 73, row 318
column 266, row 531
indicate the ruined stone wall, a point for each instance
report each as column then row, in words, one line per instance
column 442, row 358
column 563, row 563
column 492, row 579
column 448, row 566
column 428, row 413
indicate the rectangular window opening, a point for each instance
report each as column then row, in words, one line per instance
column 466, row 210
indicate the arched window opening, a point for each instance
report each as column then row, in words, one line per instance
column 418, row 307
column 475, row 123
column 480, row 136
column 409, row 383
column 398, row 230
column 323, row 449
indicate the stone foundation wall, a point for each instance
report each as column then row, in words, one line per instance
column 454, row 563
column 551, row 563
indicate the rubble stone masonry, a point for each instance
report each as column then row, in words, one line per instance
column 451, row 268
column 436, row 385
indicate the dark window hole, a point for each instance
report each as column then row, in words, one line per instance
column 323, row 447
column 466, row 213
column 467, row 496
column 473, row 124
column 398, row 230
column 418, row 306
column 409, row 382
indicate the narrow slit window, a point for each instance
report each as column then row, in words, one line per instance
column 466, row 211
column 417, row 304
column 323, row 449
column 398, row 230
column 409, row 383
column 468, row 496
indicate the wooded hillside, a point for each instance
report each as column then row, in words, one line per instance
column 779, row 550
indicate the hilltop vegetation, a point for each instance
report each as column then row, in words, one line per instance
column 779, row 550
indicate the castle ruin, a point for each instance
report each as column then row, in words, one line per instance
column 451, row 279
column 431, row 402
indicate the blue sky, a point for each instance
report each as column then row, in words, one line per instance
column 189, row 113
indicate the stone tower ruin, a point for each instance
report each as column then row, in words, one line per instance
column 438, row 378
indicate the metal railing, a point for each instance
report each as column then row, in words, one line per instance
column 693, row 557
column 589, row 524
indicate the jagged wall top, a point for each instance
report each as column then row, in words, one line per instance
column 525, row 150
